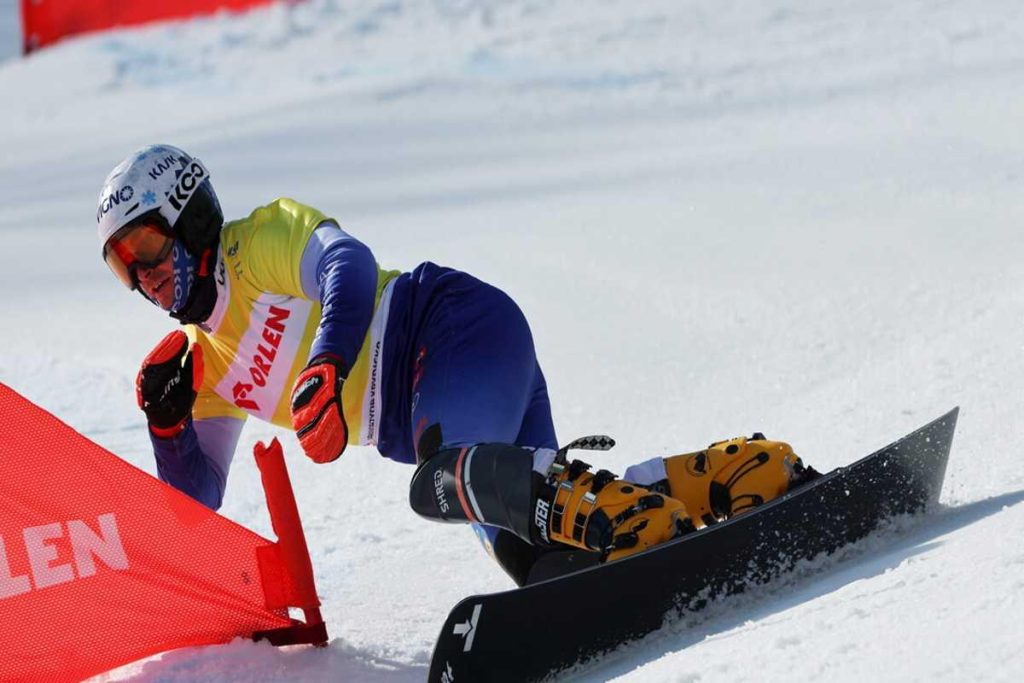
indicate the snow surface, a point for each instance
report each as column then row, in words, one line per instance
column 720, row 216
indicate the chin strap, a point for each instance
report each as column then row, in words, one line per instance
column 203, row 296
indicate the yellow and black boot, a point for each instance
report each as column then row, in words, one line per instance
column 604, row 514
column 544, row 500
column 731, row 477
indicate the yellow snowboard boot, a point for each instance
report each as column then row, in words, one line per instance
column 731, row 477
column 602, row 513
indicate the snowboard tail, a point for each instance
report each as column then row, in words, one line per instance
column 561, row 618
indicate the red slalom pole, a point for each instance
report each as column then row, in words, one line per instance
column 294, row 586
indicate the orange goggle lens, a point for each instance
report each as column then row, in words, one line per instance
column 139, row 246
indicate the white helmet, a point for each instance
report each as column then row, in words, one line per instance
column 162, row 180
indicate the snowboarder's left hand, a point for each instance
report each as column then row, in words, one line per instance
column 317, row 414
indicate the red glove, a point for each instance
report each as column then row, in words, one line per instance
column 317, row 415
column 167, row 383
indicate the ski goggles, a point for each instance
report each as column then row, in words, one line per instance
column 132, row 247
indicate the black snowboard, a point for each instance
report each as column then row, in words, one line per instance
column 532, row 632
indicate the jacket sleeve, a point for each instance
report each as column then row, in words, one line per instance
column 340, row 272
column 196, row 462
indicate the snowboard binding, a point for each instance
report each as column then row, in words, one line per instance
column 602, row 513
column 733, row 476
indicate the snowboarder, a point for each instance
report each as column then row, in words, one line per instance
column 290, row 319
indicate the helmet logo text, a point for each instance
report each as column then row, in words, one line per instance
column 188, row 181
column 113, row 199
column 163, row 165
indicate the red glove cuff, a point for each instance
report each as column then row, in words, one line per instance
column 317, row 414
column 169, row 432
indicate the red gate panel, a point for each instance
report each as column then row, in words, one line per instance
column 102, row 564
column 47, row 21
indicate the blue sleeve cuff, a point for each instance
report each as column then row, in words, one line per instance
column 180, row 462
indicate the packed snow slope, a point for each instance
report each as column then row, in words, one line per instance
column 720, row 216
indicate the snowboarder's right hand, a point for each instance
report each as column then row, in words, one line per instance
column 167, row 383
column 317, row 414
